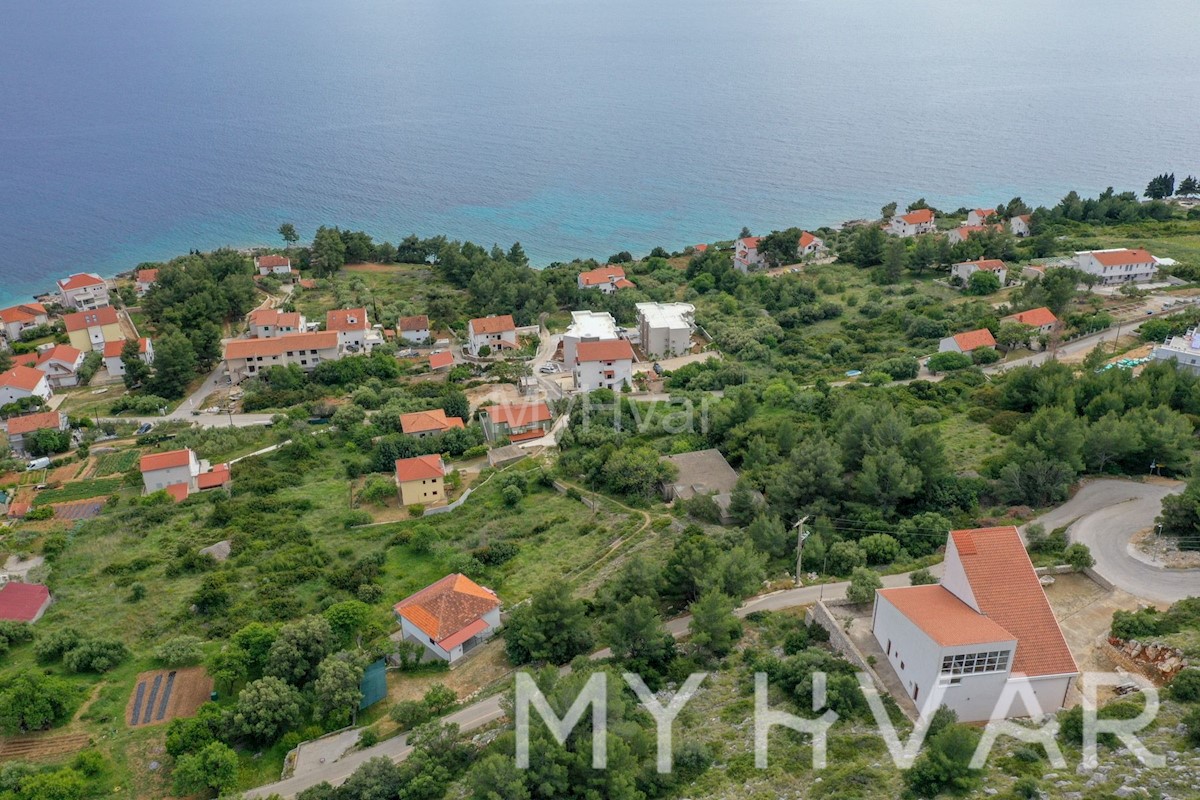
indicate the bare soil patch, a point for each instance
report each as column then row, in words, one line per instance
column 162, row 695
column 27, row 748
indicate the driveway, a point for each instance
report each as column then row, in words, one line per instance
column 1104, row 515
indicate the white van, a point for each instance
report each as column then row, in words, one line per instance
column 38, row 463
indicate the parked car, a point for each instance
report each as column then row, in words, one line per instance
column 658, row 370
column 144, row 428
column 38, row 463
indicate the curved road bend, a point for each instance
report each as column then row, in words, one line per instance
column 1104, row 515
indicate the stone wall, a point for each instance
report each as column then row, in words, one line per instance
column 1158, row 662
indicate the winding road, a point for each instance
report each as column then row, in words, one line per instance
column 1104, row 514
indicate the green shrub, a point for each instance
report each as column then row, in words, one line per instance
column 1186, row 686
column 948, row 362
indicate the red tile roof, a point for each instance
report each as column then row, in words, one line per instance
column 806, row 238
column 248, row 348
column 1008, row 592
column 22, row 377
column 272, row 261
column 113, row 349
column 425, row 421
column 147, row 275
column 1036, row 317
column 169, row 460
column 178, row 491
column 217, row 476
column 972, row 339
column 1119, row 258
column 601, row 275
column 61, row 352
column 608, row 350
column 82, row 320
column 518, row 415
column 440, row 360
column 308, row 283
column 987, row 264
column 624, row 283
column 418, row 323
column 448, row 607
column 273, row 316
column 949, row 621
column 420, row 468
column 18, row 510
column 700, row 248
column 918, row 217
column 984, row 213
column 536, row 433
column 34, row 422
column 347, row 320
column 80, row 280
column 22, row 602
column 25, row 313
column 499, row 324
column 749, row 242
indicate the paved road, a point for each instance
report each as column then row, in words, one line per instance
column 1104, row 515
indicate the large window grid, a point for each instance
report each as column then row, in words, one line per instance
column 974, row 663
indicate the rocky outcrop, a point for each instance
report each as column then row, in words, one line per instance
column 1157, row 660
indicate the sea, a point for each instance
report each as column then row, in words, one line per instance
column 136, row 130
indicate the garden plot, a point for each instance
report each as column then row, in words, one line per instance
column 162, row 695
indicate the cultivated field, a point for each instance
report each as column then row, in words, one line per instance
column 161, row 695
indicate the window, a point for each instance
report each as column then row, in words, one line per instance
column 974, row 663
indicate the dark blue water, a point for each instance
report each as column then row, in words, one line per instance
column 133, row 130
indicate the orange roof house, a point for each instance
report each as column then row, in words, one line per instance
column 967, row 342
column 21, row 382
column 1037, row 317
column 987, row 627
column 82, row 320
column 492, row 332
column 449, row 617
column 347, row 319
column 919, row 216
column 441, row 360
column 519, row 422
column 427, row 423
column 36, row 422
column 15, row 319
column 606, row 350
column 608, row 279
column 420, row 468
column 80, row 280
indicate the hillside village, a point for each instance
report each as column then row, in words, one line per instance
column 270, row 514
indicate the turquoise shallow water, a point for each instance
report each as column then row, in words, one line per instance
column 134, row 130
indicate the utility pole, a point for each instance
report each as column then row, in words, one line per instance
column 800, row 537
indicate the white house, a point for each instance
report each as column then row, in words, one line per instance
column 809, row 245
column 978, row 216
column 964, row 232
column 112, row 355
column 414, row 330
column 665, row 329
column 354, row 330
column 273, row 265
column 603, row 365
column 420, row 424
column 450, row 617
column 913, row 223
column 18, row 428
column 963, row 270
column 83, row 291
column 160, row 470
column 1183, row 350
column 1041, row 319
column 588, row 326
column 967, row 342
column 21, row 382
column 1118, row 265
column 61, row 364
column 145, row 280
column 16, row 319
column 180, row 473
column 984, row 629
column 607, row 279
column 264, row 323
column 495, row 333
column 246, row 358
column 745, row 254
column 518, row 422
column 1019, row 225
